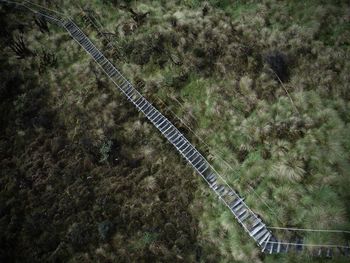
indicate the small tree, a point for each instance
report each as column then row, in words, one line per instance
column 42, row 24
column 139, row 18
column 47, row 59
column 20, row 48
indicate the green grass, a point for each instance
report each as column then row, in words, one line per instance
column 291, row 165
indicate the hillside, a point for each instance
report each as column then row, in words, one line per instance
column 260, row 87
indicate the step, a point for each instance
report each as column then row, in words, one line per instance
column 95, row 53
column 347, row 250
column 171, row 133
column 68, row 25
column 237, row 208
column 146, row 107
column 159, row 120
column 178, row 140
column 77, row 32
column 212, row 180
column 199, row 168
column 83, row 41
column 216, row 187
column 72, row 27
column 134, row 96
column 165, row 126
column 257, row 229
column 224, row 192
column 86, row 44
column 100, row 59
column 89, row 48
column 278, row 247
column 125, row 87
column 113, row 73
column 241, row 211
column 234, row 203
column 197, row 160
column 237, row 203
column 97, row 56
column 329, row 253
column 284, row 248
column 270, row 247
column 185, row 147
column 147, row 110
column 119, row 78
column 261, row 234
column 169, row 129
column 194, row 157
column 231, row 193
column 188, row 150
column 204, row 168
column 210, row 176
column 256, row 222
column 191, row 153
column 244, row 216
column 151, row 113
column 157, row 117
column 299, row 246
column 77, row 35
column 109, row 69
column 104, row 63
column 214, row 184
column 107, row 66
column 136, row 102
column 175, row 137
column 180, row 144
column 266, row 244
column 220, row 188
column 142, row 103
column 73, row 30
column 153, row 116
column 264, row 238
column 200, row 164
column 287, row 247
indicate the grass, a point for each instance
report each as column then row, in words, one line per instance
column 279, row 157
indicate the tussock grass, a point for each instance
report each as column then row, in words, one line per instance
column 288, row 143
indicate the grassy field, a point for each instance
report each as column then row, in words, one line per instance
column 261, row 87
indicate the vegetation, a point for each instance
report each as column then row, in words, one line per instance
column 85, row 177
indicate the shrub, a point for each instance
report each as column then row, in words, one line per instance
column 105, row 229
column 278, row 64
column 105, row 150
